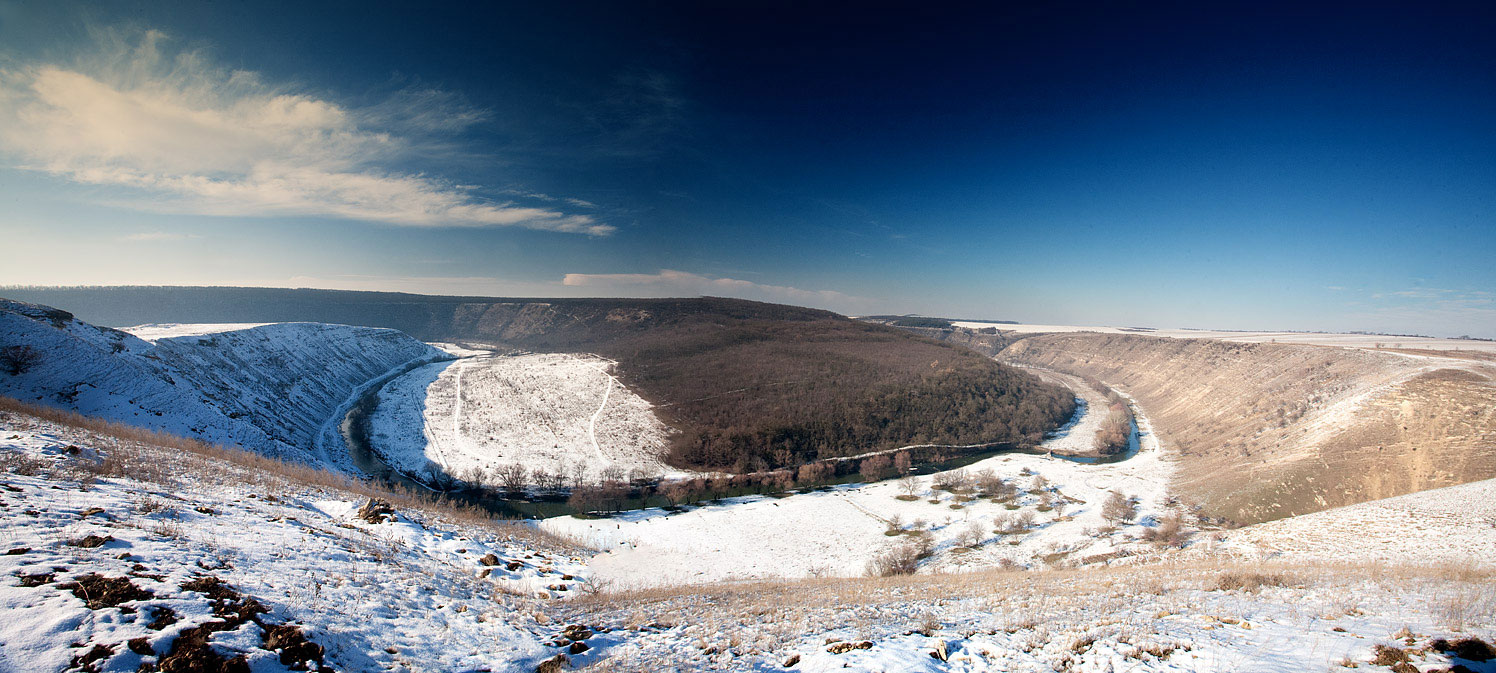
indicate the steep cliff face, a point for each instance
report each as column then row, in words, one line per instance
column 270, row 388
column 1265, row 431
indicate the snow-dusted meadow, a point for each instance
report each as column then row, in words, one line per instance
column 1054, row 520
column 557, row 412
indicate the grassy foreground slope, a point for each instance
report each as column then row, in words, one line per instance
column 1265, row 431
column 751, row 386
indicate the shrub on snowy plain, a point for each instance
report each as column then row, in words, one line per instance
column 1168, row 533
column 903, row 559
column 1119, row 508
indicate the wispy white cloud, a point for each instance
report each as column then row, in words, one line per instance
column 665, row 283
column 668, row 282
column 202, row 139
column 1439, row 311
column 159, row 236
column 1423, row 293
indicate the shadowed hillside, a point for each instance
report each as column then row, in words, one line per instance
column 1265, row 431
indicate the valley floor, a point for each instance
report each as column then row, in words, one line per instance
column 1052, row 519
column 209, row 538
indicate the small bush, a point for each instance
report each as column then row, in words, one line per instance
column 1248, row 581
column 1168, row 533
column 902, row 560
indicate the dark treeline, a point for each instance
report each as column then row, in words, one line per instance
column 760, row 396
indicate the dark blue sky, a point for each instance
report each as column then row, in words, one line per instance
column 1257, row 166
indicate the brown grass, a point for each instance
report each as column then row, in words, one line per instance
column 1249, row 580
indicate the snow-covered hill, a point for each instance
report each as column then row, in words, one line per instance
column 558, row 412
column 272, row 388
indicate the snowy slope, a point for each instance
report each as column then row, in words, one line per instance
column 408, row 593
column 551, row 411
column 270, row 388
column 1454, row 525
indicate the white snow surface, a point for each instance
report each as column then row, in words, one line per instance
column 167, row 330
column 271, row 388
column 407, row 594
column 836, row 531
column 1306, row 338
column 552, row 411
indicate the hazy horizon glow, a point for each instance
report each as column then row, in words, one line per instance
column 1245, row 166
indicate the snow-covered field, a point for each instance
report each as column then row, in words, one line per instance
column 1054, row 520
column 556, row 412
column 1306, row 338
column 172, row 330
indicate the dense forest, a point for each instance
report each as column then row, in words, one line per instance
column 765, row 394
column 751, row 386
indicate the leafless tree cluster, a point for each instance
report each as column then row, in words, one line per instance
column 19, row 359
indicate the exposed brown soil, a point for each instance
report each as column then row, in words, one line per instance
column 99, row 592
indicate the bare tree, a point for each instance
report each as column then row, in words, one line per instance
column 439, row 479
column 909, row 486
column 512, row 477
column 19, row 359
column 1119, row 508
column 972, row 535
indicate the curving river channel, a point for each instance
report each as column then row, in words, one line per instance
column 356, row 436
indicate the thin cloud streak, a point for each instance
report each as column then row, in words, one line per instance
column 219, row 142
column 668, row 282
column 146, row 236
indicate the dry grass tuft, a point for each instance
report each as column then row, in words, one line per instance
column 1250, row 581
